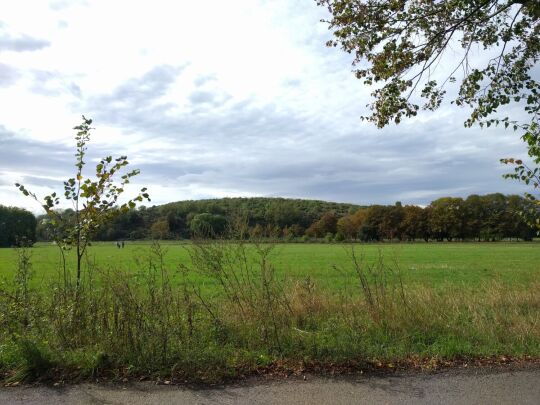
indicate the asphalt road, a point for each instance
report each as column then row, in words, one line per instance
column 455, row 387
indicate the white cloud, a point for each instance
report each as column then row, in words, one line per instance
column 215, row 98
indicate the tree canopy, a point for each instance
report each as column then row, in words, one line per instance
column 398, row 46
column 17, row 226
column 484, row 218
column 402, row 42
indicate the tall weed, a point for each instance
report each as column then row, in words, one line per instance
column 154, row 319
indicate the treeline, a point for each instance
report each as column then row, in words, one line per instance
column 483, row 218
column 17, row 226
column 183, row 219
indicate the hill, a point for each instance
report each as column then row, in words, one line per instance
column 173, row 220
column 490, row 217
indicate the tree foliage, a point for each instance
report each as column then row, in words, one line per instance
column 17, row 226
column 207, row 225
column 399, row 43
column 398, row 46
column 94, row 200
column 483, row 218
column 327, row 224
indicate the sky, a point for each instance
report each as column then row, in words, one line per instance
column 217, row 99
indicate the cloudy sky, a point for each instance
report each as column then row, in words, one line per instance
column 219, row 98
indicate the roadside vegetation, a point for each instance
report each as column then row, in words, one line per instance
column 138, row 322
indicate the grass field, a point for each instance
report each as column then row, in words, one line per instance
column 432, row 264
column 217, row 310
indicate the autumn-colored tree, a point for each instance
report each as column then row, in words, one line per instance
column 160, row 229
column 371, row 227
column 349, row 226
column 326, row 224
column 346, row 227
column 391, row 221
column 446, row 219
column 256, row 232
column 415, row 223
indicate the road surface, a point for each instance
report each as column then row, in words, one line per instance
column 452, row 387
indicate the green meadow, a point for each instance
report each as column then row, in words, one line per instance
column 218, row 310
column 430, row 264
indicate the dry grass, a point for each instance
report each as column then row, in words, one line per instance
column 124, row 323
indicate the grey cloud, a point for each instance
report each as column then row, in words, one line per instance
column 39, row 163
column 346, row 171
column 52, row 83
column 267, row 150
column 42, row 181
column 22, row 44
column 135, row 98
column 5, row 134
column 277, row 148
column 198, row 97
column 155, row 171
column 375, row 168
column 44, row 75
column 21, row 155
column 209, row 98
column 204, row 79
column 8, row 75
column 262, row 150
column 137, row 92
column 75, row 90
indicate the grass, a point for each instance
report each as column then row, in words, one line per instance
column 432, row 264
column 212, row 311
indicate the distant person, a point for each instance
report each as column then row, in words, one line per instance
column 118, row 245
column 122, row 244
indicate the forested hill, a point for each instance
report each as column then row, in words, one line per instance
column 177, row 219
column 489, row 217
column 275, row 210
